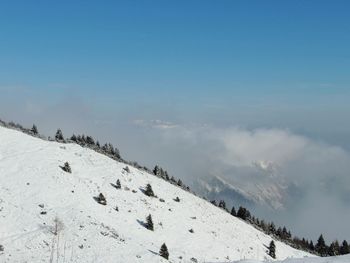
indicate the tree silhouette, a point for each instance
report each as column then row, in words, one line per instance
column 272, row 249
column 149, row 223
column 163, row 252
column 34, row 130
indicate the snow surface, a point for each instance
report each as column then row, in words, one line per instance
column 32, row 182
column 339, row 259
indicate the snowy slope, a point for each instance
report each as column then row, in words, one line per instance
column 339, row 259
column 31, row 182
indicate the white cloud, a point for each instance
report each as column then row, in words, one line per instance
column 264, row 163
column 158, row 124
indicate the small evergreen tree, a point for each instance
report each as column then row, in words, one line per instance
column 163, row 252
column 83, row 139
column 118, row 185
column 272, row 249
column 102, row 199
column 284, row 233
column 149, row 190
column 117, row 153
column 272, row 228
column 344, row 248
column 34, row 130
column 321, row 246
column 179, row 182
column 233, row 211
column 279, row 232
column 336, row 247
column 243, row 213
column 311, row 246
column 222, row 204
column 333, row 249
column 156, row 170
column 67, row 168
column 263, row 225
column 59, row 135
column 90, row 140
column 166, row 176
column 177, row 199
column 149, row 223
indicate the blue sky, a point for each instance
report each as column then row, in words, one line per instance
column 194, row 47
column 223, row 62
column 226, row 62
column 111, row 68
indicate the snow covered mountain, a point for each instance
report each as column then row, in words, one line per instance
column 257, row 184
column 49, row 215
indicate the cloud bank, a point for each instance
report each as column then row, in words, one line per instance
column 308, row 180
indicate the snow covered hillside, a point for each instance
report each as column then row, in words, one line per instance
column 339, row 259
column 49, row 215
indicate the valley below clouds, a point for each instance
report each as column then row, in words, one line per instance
column 290, row 178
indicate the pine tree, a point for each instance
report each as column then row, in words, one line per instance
column 90, row 140
column 272, row 249
column 149, row 190
column 279, row 232
column 102, row 199
column 344, row 249
column 311, row 246
column 243, row 213
column 179, row 182
column 59, row 135
column 272, row 228
column 67, row 168
column 149, row 223
column 222, row 204
column 263, row 225
column 34, row 130
column 163, row 252
column 321, row 246
column 336, row 247
column 284, row 233
column 117, row 153
column 166, row 176
column 233, row 211
column 333, row 249
column 118, row 185
column 156, row 170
